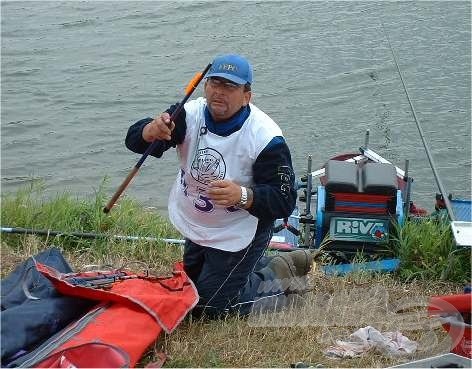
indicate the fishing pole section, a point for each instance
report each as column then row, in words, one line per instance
column 188, row 92
column 420, row 129
column 462, row 230
column 104, row 236
column 86, row 235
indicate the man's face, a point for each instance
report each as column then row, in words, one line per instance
column 224, row 98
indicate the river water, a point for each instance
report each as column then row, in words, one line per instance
column 75, row 75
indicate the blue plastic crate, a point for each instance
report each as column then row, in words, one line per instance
column 461, row 209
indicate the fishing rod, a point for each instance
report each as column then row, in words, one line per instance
column 188, row 91
column 91, row 235
column 420, row 130
column 48, row 232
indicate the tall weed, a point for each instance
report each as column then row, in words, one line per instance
column 427, row 251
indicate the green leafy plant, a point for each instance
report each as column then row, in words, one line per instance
column 426, row 250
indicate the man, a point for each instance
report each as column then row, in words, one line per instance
column 235, row 179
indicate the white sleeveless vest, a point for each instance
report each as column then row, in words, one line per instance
column 216, row 157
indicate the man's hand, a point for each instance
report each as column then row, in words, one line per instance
column 159, row 129
column 227, row 193
column 224, row 192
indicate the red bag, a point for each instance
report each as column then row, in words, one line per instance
column 454, row 312
column 129, row 318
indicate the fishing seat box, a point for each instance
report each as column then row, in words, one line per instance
column 346, row 179
column 366, row 190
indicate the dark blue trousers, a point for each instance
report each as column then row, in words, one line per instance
column 231, row 281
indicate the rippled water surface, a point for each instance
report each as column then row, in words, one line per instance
column 75, row 75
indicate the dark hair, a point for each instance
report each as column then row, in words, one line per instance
column 247, row 87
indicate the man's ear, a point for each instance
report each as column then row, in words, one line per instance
column 247, row 97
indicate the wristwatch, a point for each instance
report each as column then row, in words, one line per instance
column 243, row 200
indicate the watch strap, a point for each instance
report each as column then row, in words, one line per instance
column 243, row 200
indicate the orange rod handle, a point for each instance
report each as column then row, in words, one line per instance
column 192, row 85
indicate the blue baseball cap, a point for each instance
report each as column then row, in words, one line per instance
column 231, row 67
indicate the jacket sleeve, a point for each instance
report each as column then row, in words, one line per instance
column 274, row 182
column 135, row 142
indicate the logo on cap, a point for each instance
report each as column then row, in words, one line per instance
column 229, row 67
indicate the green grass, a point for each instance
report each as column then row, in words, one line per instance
column 28, row 208
column 333, row 309
column 427, row 252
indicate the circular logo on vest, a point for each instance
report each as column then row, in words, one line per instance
column 208, row 166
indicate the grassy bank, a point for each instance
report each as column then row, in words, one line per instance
column 334, row 308
column 29, row 209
